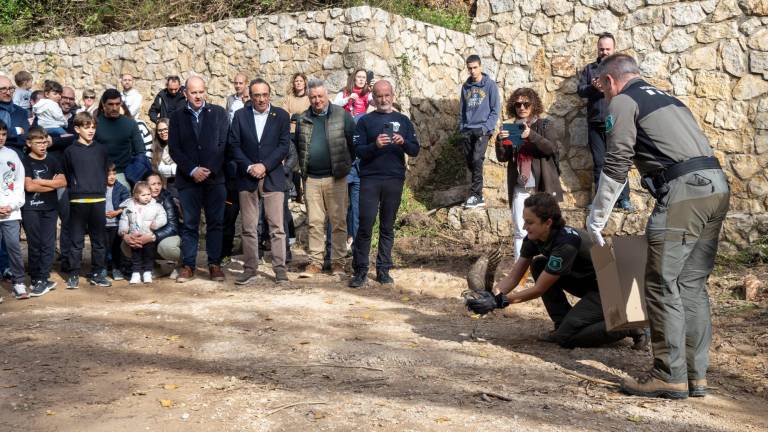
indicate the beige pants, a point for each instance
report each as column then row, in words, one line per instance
column 327, row 198
column 249, row 211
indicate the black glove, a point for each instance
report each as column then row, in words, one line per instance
column 485, row 302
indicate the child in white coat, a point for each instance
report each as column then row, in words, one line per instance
column 141, row 215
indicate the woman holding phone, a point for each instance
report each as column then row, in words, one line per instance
column 356, row 96
column 531, row 156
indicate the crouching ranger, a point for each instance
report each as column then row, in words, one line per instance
column 659, row 133
column 559, row 260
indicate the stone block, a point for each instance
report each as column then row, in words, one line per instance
column 358, row 14
column 726, row 9
column 474, row 219
column 655, row 65
column 603, row 21
column 733, row 57
column 678, row 40
column 745, row 166
column 684, row 14
column 541, row 25
column 761, row 143
column 750, row 86
column 502, row 6
column 563, row 66
column 731, row 116
column 755, row 7
column 712, row 85
column 577, row 32
column 759, row 40
column 709, row 33
column 556, row 7
column 682, row 82
column 702, row 58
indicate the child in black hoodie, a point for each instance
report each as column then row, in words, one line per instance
column 85, row 165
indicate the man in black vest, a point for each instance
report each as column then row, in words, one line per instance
column 197, row 142
column 326, row 151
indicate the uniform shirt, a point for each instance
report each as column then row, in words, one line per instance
column 41, row 169
column 651, row 128
column 567, row 253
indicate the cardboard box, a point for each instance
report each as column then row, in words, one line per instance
column 621, row 278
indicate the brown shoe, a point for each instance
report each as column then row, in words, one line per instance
column 337, row 269
column 697, row 388
column 650, row 386
column 187, row 273
column 216, row 273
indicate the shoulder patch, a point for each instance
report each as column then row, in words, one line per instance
column 555, row 263
column 609, row 123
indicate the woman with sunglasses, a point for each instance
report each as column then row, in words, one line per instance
column 531, row 155
column 89, row 102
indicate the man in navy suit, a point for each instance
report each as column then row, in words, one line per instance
column 258, row 142
column 198, row 144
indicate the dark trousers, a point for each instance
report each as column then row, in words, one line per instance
column 40, row 226
column 382, row 197
column 209, row 198
column 143, row 258
column 580, row 325
column 231, row 210
column 597, row 145
column 64, row 240
column 474, row 145
column 87, row 218
column 112, row 245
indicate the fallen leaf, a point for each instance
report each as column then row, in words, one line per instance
column 366, row 316
column 328, row 300
column 405, row 298
column 635, row 418
column 475, row 316
column 166, row 403
column 319, row 415
column 152, row 301
column 173, row 337
column 304, row 343
column 139, row 393
column 483, row 354
column 50, row 413
column 8, row 386
column 170, row 386
column 442, row 420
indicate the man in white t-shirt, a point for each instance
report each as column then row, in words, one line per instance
column 131, row 96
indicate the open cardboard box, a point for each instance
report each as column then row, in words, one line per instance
column 620, row 271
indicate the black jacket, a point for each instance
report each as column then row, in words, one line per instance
column 246, row 149
column 85, row 167
column 597, row 107
column 189, row 150
column 164, row 104
column 171, row 228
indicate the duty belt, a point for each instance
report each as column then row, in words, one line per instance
column 657, row 182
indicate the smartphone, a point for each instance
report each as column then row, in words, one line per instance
column 369, row 77
column 389, row 132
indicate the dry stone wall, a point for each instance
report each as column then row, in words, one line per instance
column 712, row 54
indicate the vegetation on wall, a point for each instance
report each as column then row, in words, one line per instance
column 29, row 20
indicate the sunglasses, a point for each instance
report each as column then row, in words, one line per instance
column 525, row 105
column 89, row 97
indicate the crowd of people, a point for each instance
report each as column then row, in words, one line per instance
column 139, row 195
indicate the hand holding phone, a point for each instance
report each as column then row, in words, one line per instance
column 388, row 131
column 514, row 134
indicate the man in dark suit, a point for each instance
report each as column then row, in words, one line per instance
column 197, row 141
column 258, row 141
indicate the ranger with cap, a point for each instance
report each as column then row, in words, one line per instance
column 661, row 136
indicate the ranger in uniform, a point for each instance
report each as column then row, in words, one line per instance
column 659, row 133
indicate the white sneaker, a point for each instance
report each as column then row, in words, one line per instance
column 147, row 277
column 174, row 274
column 135, row 278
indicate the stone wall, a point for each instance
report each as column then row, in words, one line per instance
column 712, row 54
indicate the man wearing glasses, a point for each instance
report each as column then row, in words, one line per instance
column 14, row 116
column 597, row 107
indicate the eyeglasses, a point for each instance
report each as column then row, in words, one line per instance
column 7, row 89
column 67, row 98
column 162, row 130
column 525, row 105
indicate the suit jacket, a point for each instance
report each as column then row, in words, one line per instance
column 246, row 149
column 190, row 150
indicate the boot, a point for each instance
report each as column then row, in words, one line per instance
column 697, row 387
column 650, row 386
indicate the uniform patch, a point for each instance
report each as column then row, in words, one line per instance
column 609, row 123
column 555, row 263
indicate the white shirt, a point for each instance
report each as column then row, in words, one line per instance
column 234, row 103
column 132, row 99
column 260, row 119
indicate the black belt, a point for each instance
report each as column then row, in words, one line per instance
column 689, row 166
column 656, row 182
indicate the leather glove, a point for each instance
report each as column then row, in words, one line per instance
column 485, row 302
column 608, row 191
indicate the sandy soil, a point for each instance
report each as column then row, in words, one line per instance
column 315, row 355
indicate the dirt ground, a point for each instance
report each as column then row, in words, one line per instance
column 316, row 355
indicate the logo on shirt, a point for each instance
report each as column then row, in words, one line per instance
column 609, row 123
column 555, row 263
column 9, row 177
column 395, row 127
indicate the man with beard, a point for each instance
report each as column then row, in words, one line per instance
column 168, row 100
column 597, row 108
